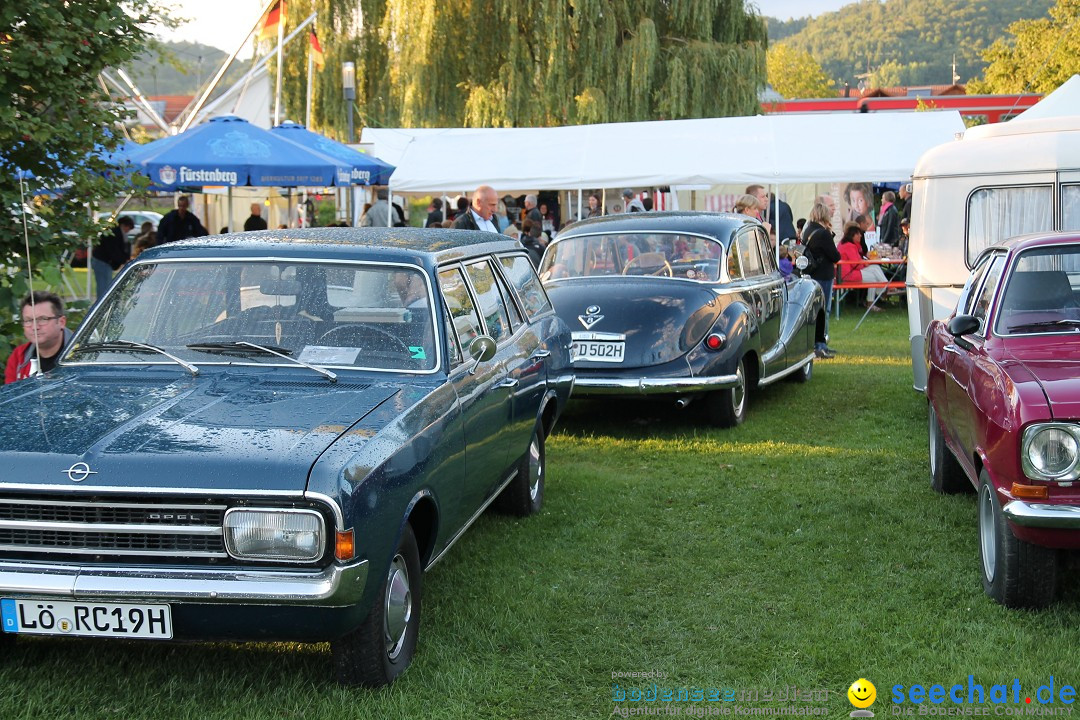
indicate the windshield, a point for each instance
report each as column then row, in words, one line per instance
column 328, row 315
column 1041, row 294
column 660, row 254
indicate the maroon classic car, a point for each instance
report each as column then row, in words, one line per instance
column 1004, row 391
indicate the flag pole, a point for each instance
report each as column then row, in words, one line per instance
column 307, row 102
column 280, row 58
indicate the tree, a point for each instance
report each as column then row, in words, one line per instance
column 505, row 63
column 796, row 74
column 57, row 123
column 1041, row 55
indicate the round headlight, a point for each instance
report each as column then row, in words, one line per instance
column 1053, row 451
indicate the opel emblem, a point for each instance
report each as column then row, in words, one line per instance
column 591, row 317
column 79, row 472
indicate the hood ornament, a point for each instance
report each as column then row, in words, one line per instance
column 79, row 472
column 591, row 317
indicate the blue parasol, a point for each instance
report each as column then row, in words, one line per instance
column 357, row 168
column 231, row 151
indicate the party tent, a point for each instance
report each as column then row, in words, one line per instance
column 766, row 149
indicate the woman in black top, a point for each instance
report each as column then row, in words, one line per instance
column 819, row 240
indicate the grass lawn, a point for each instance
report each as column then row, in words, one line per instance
column 803, row 548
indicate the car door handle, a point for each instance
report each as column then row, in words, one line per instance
column 952, row 349
column 540, row 354
column 508, row 383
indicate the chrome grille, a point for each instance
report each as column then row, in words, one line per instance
column 181, row 531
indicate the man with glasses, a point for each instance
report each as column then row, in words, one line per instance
column 46, row 329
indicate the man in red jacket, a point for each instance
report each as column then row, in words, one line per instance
column 46, row 329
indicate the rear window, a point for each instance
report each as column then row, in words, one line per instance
column 689, row 257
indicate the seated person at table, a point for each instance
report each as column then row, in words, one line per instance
column 859, row 272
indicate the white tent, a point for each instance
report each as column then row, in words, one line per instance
column 1063, row 101
column 767, row 149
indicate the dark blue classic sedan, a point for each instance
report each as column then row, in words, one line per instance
column 270, row 436
column 681, row 305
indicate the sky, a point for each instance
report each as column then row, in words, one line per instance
column 223, row 23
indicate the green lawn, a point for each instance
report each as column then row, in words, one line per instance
column 804, row 548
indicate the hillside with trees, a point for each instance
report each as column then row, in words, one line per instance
column 905, row 42
column 180, row 68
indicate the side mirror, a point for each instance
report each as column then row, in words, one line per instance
column 963, row 325
column 482, row 349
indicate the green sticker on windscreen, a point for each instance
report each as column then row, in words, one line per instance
column 417, row 353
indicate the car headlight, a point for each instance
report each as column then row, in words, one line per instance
column 1050, row 451
column 274, row 534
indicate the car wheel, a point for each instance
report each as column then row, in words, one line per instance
column 382, row 647
column 946, row 474
column 1015, row 573
column 804, row 373
column 525, row 493
column 727, row 408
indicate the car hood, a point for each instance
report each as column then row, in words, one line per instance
column 216, row 432
column 1051, row 361
column 661, row 318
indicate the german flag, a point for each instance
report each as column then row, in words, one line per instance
column 274, row 16
column 316, row 51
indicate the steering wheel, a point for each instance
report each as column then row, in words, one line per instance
column 367, row 332
column 664, row 269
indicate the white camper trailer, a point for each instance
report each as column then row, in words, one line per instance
column 997, row 181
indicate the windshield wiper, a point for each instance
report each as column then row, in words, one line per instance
column 1046, row 324
column 129, row 345
column 267, row 349
column 237, row 346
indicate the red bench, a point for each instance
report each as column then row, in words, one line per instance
column 840, row 289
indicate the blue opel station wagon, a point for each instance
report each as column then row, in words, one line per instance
column 270, row 436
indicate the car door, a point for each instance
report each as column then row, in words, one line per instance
column 526, row 300
column 775, row 289
column 482, row 394
column 760, row 297
column 961, row 364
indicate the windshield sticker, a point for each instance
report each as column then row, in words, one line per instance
column 324, row 355
column 417, row 353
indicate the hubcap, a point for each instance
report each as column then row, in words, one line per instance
column 398, row 606
column 536, row 468
column 738, row 393
column 987, row 532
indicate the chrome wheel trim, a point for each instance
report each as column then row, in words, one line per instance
column 536, row 468
column 738, row 393
column 398, row 611
column 987, row 532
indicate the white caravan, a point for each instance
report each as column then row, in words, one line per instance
column 995, row 182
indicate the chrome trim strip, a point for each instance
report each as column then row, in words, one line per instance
column 84, row 490
column 784, row 373
column 1041, row 515
column 468, row 523
column 334, row 586
column 651, row 386
column 112, row 506
column 601, row 336
column 110, row 528
column 121, row 552
column 339, row 516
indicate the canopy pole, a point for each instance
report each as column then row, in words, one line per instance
column 280, row 59
column 307, row 101
column 603, row 201
column 228, row 220
column 390, row 204
column 579, row 204
column 776, row 222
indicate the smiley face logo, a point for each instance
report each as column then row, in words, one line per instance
column 862, row 693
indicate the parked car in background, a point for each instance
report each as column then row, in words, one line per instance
column 137, row 216
column 1003, row 384
column 680, row 305
column 270, row 436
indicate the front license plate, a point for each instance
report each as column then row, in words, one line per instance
column 597, row 351
column 87, row 619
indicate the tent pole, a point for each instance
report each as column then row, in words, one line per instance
column 579, row 203
column 390, row 204
column 776, row 222
column 307, row 101
column 228, row 223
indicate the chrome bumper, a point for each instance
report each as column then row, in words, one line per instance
column 1039, row 515
column 335, row 586
column 652, row 386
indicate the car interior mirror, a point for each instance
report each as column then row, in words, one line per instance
column 482, row 349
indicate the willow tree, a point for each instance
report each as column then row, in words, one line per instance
column 506, row 63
